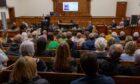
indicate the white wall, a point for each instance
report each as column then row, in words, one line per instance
column 103, row 7
column 35, row 7
column 133, row 7
column 98, row 7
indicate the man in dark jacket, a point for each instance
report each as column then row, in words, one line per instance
column 111, row 66
column 89, row 44
column 89, row 65
column 14, row 47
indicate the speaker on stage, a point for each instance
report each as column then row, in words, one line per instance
column 134, row 20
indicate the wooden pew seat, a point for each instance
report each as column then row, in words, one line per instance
column 66, row 78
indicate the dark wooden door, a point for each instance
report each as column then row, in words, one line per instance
column 121, row 9
column 11, row 11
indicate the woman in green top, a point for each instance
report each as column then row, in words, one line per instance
column 52, row 44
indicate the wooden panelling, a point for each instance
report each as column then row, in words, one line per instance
column 83, row 8
column 81, row 20
column 30, row 20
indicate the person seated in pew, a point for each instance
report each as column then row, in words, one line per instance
column 113, row 24
column 72, row 46
column 100, row 45
column 89, row 44
column 135, row 36
column 62, row 38
column 89, row 65
column 25, row 72
column 135, row 70
column 13, row 26
column 14, row 47
column 63, row 61
column 130, row 48
column 89, row 27
column 40, row 47
column 111, row 65
column 27, row 49
column 51, row 43
column 127, row 22
column 122, row 36
column 3, row 60
column 79, row 40
column 115, row 36
column 128, row 38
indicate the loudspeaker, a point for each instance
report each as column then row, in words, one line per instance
column 134, row 20
column 3, row 3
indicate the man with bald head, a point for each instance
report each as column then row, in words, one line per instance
column 111, row 66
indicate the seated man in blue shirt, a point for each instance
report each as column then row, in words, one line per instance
column 89, row 27
column 89, row 65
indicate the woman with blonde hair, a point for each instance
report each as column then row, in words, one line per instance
column 25, row 72
column 130, row 48
column 63, row 61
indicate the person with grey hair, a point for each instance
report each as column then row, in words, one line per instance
column 135, row 36
column 100, row 45
column 115, row 36
column 111, row 66
column 27, row 49
column 122, row 35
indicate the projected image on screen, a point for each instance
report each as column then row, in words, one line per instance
column 70, row 6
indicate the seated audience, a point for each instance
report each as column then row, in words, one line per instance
column 62, row 38
column 111, row 66
column 130, row 48
column 135, row 70
column 51, row 44
column 72, row 45
column 121, row 25
column 79, row 40
column 23, row 26
column 89, row 65
column 89, row 27
column 111, row 42
column 89, row 44
column 3, row 60
column 128, row 38
column 27, row 49
column 100, row 45
column 113, row 24
column 115, row 36
column 109, row 36
column 126, row 22
column 14, row 47
column 14, row 26
column 135, row 36
column 24, row 36
column 41, row 46
column 122, row 35
column 25, row 72
column 63, row 61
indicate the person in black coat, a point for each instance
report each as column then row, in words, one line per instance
column 89, row 65
column 25, row 72
column 111, row 65
column 14, row 47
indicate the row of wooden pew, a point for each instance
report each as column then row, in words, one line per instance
column 66, row 78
